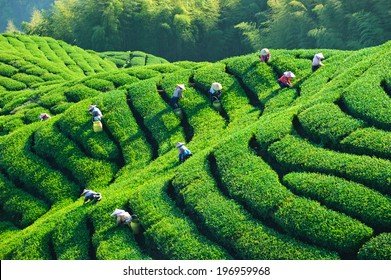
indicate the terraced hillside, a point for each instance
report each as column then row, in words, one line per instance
column 299, row 173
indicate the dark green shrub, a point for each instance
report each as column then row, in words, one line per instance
column 298, row 155
column 99, row 84
column 368, row 141
column 305, row 218
column 351, row 198
column 18, row 206
column 326, row 123
column 80, row 92
column 378, row 248
column 7, row 70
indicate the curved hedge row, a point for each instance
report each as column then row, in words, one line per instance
column 351, row 198
column 368, row 141
column 378, row 248
column 326, row 123
column 157, row 115
column 296, row 154
column 18, row 206
column 76, row 123
column 33, row 172
column 233, row 227
column 89, row 173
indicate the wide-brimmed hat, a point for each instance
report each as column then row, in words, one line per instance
column 182, row 86
column 265, row 51
column 217, row 86
column 179, row 144
column 319, row 55
column 84, row 192
column 289, row 74
column 117, row 212
column 91, row 107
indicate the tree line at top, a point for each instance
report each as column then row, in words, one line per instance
column 213, row 29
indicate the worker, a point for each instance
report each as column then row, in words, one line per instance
column 44, row 116
column 286, row 79
column 122, row 216
column 95, row 112
column 265, row 55
column 215, row 92
column 178, row 94
column 317, row 61
column 90, row 195
column 184, row 152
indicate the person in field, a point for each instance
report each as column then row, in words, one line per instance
column 44, row 116
column 184, row 152
column 90, row 195
column 178, row 94
column 317, row 61
column 95, row 112
column 286, row 79
column 123, row 217
column 215, row 92
column 265, row 55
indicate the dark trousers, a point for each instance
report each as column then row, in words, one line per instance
column 283, row 85
column 174, row 102
column 314, row 68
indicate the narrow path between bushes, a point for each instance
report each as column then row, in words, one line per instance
column 147, row 133
column 187, row 128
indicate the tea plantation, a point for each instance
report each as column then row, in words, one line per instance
column 297, row 173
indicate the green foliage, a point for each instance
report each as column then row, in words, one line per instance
column 298, row 155
column 18, row 206
column 348, row 197
column 322, row 226
column 99, row 84
column 37, row 177
column 90, row 173
column 368, row 141
column 157, row 115
column 326, row 123
column 80, row 92
column 378, row 248
column 228, row 223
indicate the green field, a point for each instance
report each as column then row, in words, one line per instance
column 298, row 173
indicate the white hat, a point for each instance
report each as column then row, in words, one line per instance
column 179, row 144
column 84, row 191
column 289, row 74
column 91, row 107
column 117, row 212
column 319, row 55
column 217, row 86
column 182, row 86
column 265, row 51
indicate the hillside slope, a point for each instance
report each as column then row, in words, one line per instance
column 299, row 173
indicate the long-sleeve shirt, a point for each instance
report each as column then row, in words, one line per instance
column 284, row 79
column 96, row 112
column 178, row 92
column 316, row 61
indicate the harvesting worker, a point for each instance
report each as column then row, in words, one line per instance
column 184, row 152
column 286, row 79
column 178, row 94
column 317, row 61
column 122, row 216
column 95, row 112
column 90, row 195
column 215, row 92
column 44, row 116
column 265, row 55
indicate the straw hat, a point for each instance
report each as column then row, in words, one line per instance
column 289, row 74
column 265, row 51
column 84, row 192
column 217, row 86
column 182, row 86
column 319, row 55
column 117, row 212
column 91, row 107
column 179, row 144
